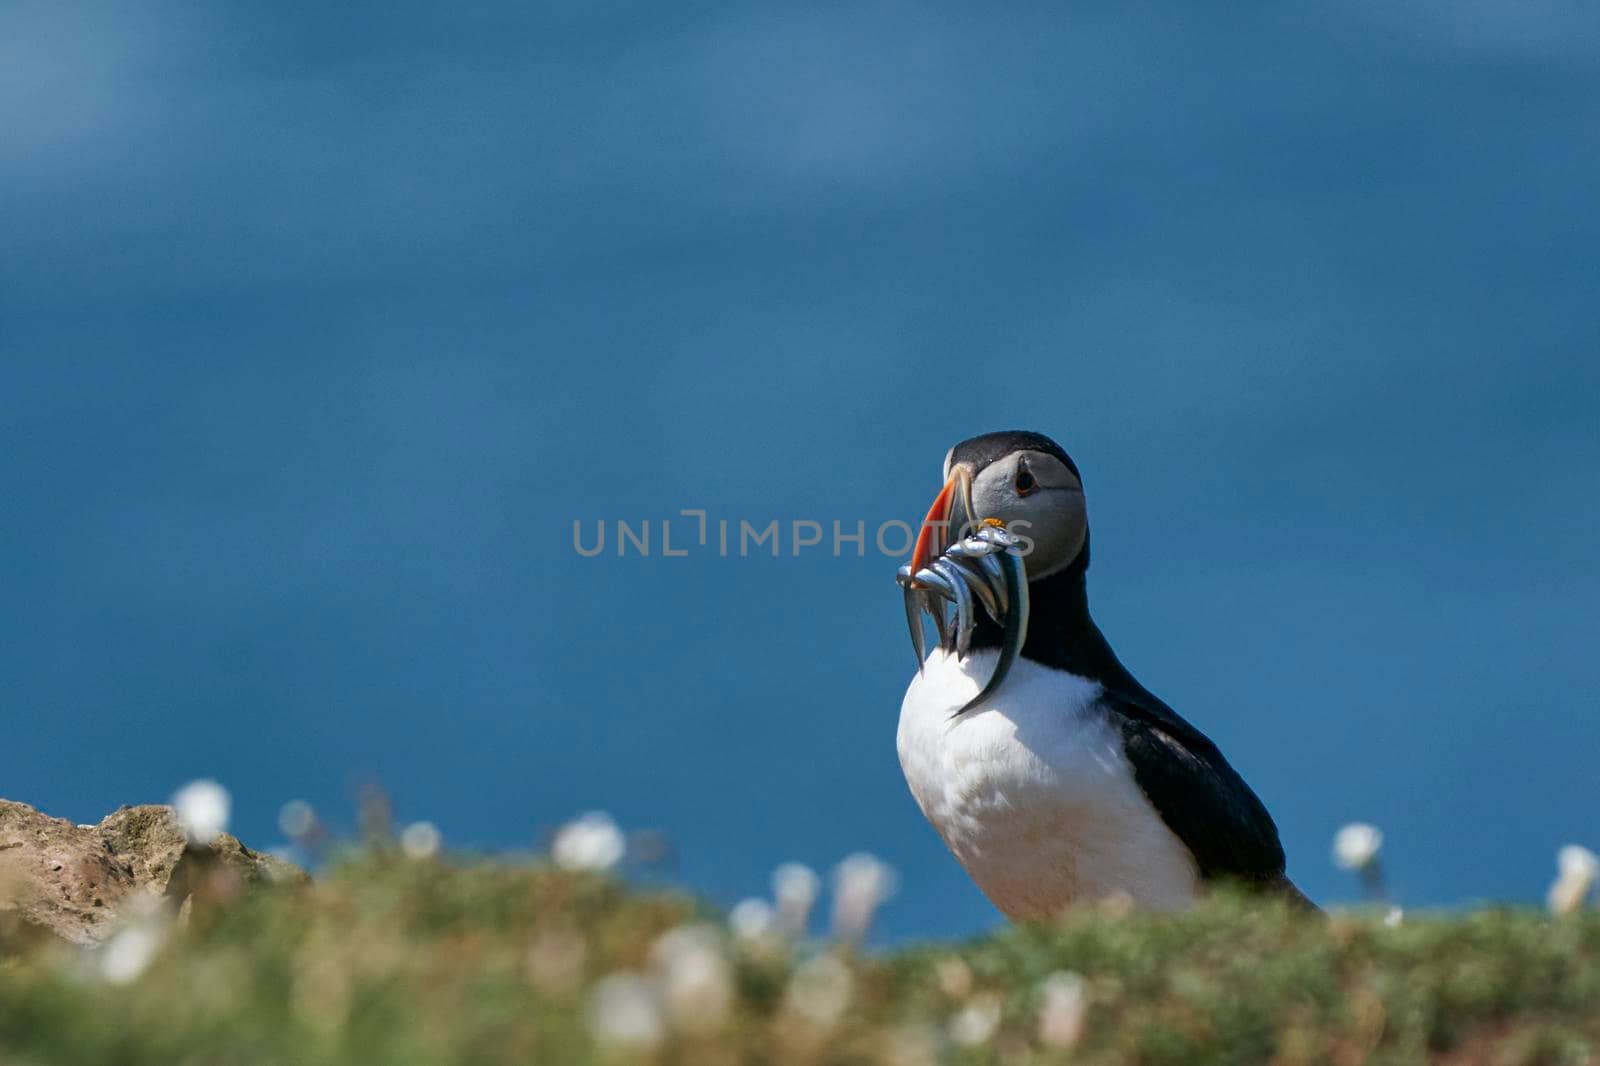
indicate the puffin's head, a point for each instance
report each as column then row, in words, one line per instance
column 1023, row 480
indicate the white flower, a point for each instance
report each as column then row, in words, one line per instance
column 1578, row 868
column 752, row 919
column 1063, row 1007
column 130, row 951
column 1393, row 917
column 420, row 840
column 202, row 808
column 695, row 979
column 1566, row 895
column 954, row 977
column 296, row 819
column 795, row 885
column 623, row 1011
column 860, row 883
column 591, row 842
column 1116, row 904
column 975, row 1023
column 1575, row 861
column 820, row 990
column 1356, row 846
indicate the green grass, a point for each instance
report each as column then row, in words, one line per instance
column 391, row 961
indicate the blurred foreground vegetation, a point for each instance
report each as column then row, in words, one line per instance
column 388, row 960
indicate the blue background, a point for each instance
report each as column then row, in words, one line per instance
column 321, row 326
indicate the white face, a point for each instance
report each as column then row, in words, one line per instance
column 1038, row 497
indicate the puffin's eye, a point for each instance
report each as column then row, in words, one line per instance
column 1024, row 481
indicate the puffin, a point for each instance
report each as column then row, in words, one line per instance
column 1053, row 776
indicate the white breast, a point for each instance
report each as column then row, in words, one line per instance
column 1032, row 792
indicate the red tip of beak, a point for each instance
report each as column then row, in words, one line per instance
column 935, row 533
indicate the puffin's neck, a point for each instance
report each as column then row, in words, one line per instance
column 1061, row 633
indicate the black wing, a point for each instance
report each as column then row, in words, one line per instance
column 1199, row 796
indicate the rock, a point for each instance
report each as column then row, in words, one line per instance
column 73, row 880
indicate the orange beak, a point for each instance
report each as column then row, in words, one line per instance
column 936, row 533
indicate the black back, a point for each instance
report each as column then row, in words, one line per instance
column 1199, row 796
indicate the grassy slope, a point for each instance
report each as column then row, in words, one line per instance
column 386, row 961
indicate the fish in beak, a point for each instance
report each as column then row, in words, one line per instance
column 961, row 563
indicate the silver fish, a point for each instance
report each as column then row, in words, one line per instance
column 986, row 567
